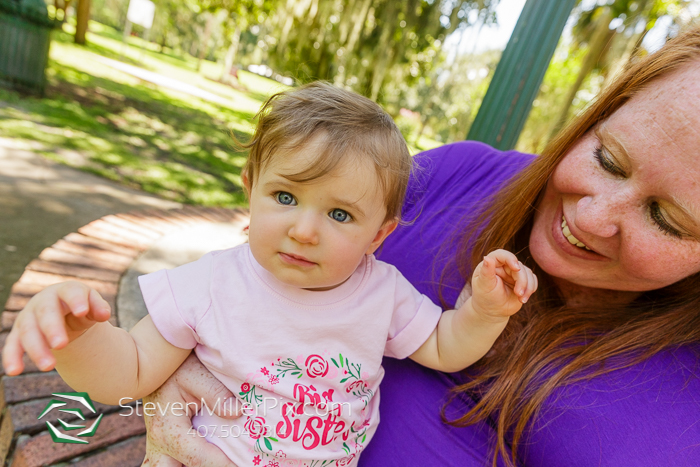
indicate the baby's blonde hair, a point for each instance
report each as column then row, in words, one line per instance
column 354, row 127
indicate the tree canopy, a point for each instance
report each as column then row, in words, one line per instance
column 394, row 53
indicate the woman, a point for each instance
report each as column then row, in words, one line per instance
column 601, row 366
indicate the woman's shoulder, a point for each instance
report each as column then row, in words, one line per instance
column 448, row 185
column 466, row 154
column 466, row 168
column 467, row 148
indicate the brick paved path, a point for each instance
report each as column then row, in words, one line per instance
column 97, row 254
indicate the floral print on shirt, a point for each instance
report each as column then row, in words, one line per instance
column 337, row 371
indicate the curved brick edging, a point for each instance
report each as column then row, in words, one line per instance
column 97, row 254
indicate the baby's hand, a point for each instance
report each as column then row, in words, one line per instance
column 501, row 284
column 54, row 317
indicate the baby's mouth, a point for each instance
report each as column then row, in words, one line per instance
column 296, row 259
column 569, row 236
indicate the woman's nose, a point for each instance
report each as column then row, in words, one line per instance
column 601, row 214
column 305, row 229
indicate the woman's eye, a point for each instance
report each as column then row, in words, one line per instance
column 658, row 218
column 340, row 215
column 601, row 155
column 285, row 198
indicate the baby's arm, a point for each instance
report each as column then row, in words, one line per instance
column 65, row 325
column 500, row 285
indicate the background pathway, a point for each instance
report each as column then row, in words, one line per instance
column 41, row 201
column 63, row 224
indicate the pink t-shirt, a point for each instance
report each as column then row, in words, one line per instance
column 306, row 364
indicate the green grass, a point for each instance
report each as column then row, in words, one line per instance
column 107, row 122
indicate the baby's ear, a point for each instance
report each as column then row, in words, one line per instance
column 246, row 182
column 388, row 227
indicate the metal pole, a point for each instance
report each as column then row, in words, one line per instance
column 519, row 73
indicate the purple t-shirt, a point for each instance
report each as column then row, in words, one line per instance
column 646, row 415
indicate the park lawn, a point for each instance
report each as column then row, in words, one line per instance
column 107, row 122
column 108, row 42
column 96, row 118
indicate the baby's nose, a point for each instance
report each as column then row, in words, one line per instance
column 305, row 229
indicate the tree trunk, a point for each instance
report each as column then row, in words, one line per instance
column 643, row 9
column 600, row 39
column 63, row 7
column 82, row 17
column 346, row 18
column 307, row 22
column 319, row 56
column 380, row 73
column 358, row 23
column 286, row 21
column 384, row 50
column 204, row 44
column 163, row 41
column 425, row 116
column 231, row 55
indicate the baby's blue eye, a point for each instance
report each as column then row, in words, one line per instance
column 339, row 215
column 285, row 198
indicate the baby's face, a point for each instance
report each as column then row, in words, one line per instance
column 313, row 235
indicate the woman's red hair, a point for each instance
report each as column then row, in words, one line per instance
column 549, row 344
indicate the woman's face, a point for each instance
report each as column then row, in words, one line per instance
column 622, row 209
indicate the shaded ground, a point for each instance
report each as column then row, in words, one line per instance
column 138, row 136
column 117, row 126
column 41, row 201
column 126, row 129
column 180, row 247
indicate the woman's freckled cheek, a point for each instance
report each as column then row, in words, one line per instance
column 652, row 258
column 641, row 254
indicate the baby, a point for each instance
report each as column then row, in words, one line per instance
column 296, row 322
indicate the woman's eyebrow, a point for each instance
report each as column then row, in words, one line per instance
column 610, row 140
column 688, row 210
column 688, row 213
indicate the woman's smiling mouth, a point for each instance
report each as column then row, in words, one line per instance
column 567, row 242
column 569, row 236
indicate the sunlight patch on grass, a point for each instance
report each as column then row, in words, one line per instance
column 108, row 123
column 120, row 127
